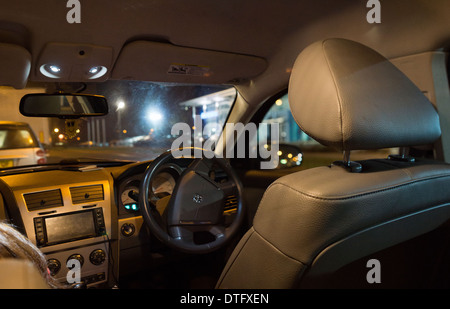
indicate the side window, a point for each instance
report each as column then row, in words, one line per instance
column 290, row 132
column 296, row 148
column 312, row 153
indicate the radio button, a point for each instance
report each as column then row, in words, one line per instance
column 39, row 230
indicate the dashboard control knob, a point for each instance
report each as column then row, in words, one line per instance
column 127, row 229
column 77, row 257
column 97, row 257
column 53, row 266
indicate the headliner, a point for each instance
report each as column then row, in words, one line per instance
column 274, row 30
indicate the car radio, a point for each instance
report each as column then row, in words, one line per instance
column 66, row 227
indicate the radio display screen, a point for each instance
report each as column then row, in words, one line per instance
column 69, row 227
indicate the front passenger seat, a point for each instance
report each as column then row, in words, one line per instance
column 323, row 227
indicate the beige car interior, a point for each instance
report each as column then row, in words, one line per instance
column 351, row 85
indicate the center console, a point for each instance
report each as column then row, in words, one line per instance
column 71, row 222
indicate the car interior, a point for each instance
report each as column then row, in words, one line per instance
column 303, row 144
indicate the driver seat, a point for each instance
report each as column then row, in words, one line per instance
column 374, row 223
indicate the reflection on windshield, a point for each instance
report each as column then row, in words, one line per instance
column 138, row 126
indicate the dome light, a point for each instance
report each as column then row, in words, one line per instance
column 94, row 70
column 97, row 72
column 54, row 68
column 51, row 70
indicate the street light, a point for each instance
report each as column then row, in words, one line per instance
column 154, row 116
column 120, row 106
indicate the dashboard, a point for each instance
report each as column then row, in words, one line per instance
column 88, row 213
column 68, row 215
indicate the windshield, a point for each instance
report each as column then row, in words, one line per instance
column 139, row 125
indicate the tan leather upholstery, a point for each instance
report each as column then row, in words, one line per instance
column 302, row 214
column 312, row 223
column 20, row 274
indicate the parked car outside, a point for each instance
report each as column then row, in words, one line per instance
column 19, row 145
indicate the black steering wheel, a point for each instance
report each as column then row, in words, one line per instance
column 196, row 205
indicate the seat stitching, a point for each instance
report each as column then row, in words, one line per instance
column 278, row 249
column 236, row 257
column 266, row 241
column 338, row 93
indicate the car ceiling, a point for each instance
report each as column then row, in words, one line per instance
column 273, row 31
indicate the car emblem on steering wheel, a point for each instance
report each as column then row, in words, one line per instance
column 197, row 198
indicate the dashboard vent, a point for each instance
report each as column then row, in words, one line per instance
column 86, row 194
column 43, row 200
column 231, row 204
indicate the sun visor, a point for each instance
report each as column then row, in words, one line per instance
column 15, row 64
column 163, row 62
column 68, row 62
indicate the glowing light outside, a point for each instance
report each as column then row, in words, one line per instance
column 120, row 105
column 154, row 116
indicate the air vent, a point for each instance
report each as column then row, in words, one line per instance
column 86, row 194
column 231, row 204
column 43, row 200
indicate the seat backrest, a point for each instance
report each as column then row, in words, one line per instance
column 321, row 227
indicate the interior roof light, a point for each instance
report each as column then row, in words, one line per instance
column 50, row 70
column 54, row 68
column 97, row 72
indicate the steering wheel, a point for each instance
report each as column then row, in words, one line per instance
column 195, row 205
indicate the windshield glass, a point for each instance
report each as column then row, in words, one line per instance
column 138, row 126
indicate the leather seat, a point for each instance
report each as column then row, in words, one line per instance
column 320, row 227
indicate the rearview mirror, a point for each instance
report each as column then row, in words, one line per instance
column 63, row 105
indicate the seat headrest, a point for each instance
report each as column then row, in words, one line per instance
column 347, row 96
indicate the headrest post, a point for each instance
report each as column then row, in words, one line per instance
column 353, row 167
column 347, row 157
column 404, row 151
column 402, row 156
